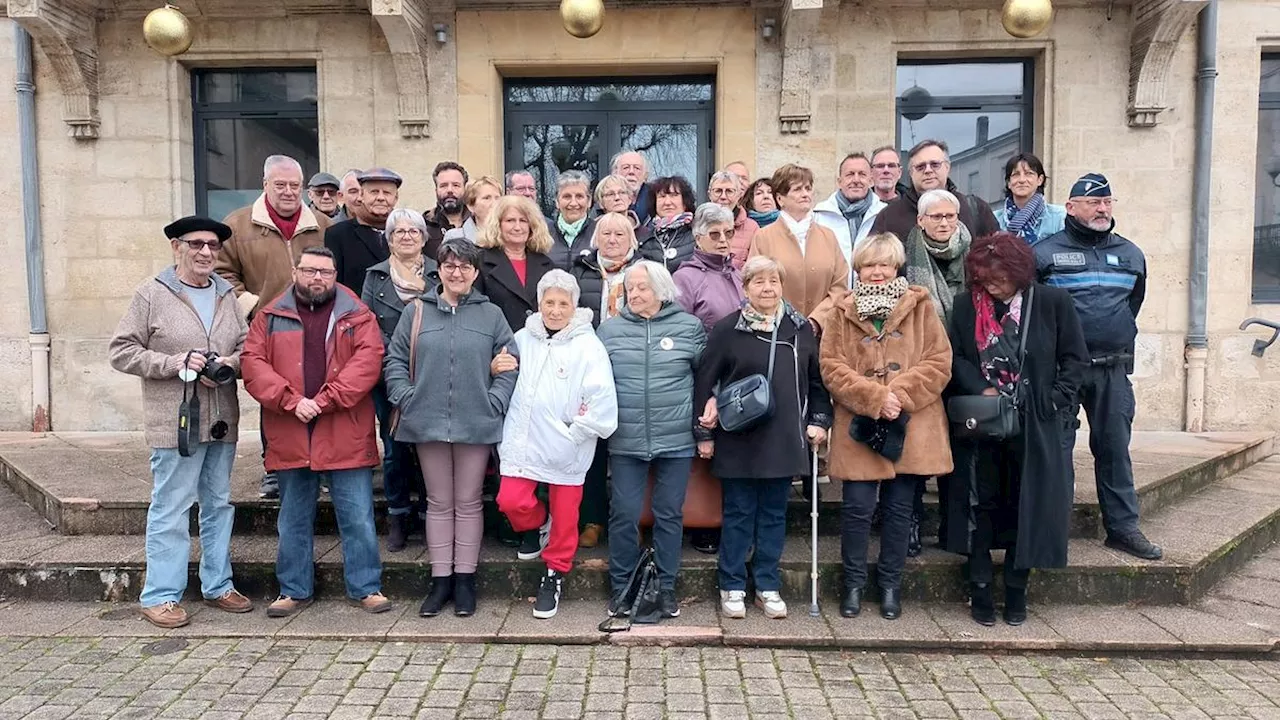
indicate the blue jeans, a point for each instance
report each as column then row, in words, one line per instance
column 179, row 482
column 352, row 494
column 755, row 514
column 400, row 475
column 859, row 502
column 630, row 480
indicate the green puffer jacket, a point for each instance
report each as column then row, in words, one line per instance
column 653, row 369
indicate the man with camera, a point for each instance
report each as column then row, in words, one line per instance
column 182, row 335
column 311, row 359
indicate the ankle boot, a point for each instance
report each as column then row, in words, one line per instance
column 982, row 606
column 397, row 532
column 851, row 603
column 914, row 548
column 890, row 603
column 1015, row 606
column 464, row 594
column 441, row 593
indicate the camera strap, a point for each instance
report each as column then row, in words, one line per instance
column 188, row 416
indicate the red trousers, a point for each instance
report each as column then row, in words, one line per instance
column 517, row 501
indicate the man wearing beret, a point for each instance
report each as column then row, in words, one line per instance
column 324, row 193
column 1107, row 278
column 360, row 243
column 175, row 324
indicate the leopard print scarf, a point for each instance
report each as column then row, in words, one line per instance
column 876, row 301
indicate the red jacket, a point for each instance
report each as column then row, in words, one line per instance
column 272, row 368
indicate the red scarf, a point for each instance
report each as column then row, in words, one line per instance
column 997, row 338
column 286, row 226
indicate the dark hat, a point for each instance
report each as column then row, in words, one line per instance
column 193, row 223
column 323, row 179
column 1091, row 185
column 379, row 174
column 887, row 437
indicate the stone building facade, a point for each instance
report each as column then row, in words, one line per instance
column 1110, row 88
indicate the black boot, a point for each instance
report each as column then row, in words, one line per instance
column 397, row 532
column 464, row 595
column 851, row 603
column 982, row 606
column 890, row 603
column 440, row 595
column 914, row 548
column 1015, row 606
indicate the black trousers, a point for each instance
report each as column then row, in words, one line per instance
column 999, row 485
column 594, row 509
column 859, row 502
column 1107, row 398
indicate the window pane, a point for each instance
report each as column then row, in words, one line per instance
column 552, row 149
column 236, row 148
column 670, row 149
column 613, row 92
column 1266, row 231
column 275, row 86
column 1271, row 76
column 980, row 143
column 962, row 79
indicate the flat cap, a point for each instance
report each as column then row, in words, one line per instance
column 379, row 174
column 323, row 178
column 194, row 223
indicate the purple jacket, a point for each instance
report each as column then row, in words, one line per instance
column 710, row 287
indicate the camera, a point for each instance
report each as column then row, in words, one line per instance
column 216, row 371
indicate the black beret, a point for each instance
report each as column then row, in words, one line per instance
column 194, row 223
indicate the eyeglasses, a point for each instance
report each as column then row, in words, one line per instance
column 458, row 268
column 406, row 233
column 942, row 217
column 934, row 165
column 718, row 235
column 326, row 192
column 886, row 166
column 198, row 245
column 722, row 192
column 1094, row 203
column 310, row 272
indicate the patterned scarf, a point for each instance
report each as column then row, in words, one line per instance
column 407, row 278
column 611, row 274
column 673, row 223
column 997, row 339
column 1025, row 222
column 759, row 321
column 923, row 269
column 763, row 219
column 570, row 230
column 876, row 300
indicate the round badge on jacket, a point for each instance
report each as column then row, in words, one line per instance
column 562, row 372
column 666, row 343
column 670, row 253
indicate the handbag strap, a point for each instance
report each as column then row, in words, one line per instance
column 1024, row 329
column 773, row 351
column 413, row 343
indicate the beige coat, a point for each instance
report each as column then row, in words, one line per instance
column 258, row 261
column 153, row 338
column 912, row 358
column 815, row 275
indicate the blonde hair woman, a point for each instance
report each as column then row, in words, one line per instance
column 599, row 272
column 479, row 196
column 514, row 242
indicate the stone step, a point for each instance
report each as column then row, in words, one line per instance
column 100, row 483
column 1205, row 536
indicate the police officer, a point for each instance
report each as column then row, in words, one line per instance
column 1107, row 278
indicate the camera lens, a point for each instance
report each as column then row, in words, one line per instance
column 219, row 373
column 218, row 430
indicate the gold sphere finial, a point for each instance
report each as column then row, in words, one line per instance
column 167, row 31
column 582, row 18
column 1026, row 18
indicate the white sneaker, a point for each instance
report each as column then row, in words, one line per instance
column 771, row 602
column 733, row 603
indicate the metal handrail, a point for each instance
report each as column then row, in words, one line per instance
column 1260, row 346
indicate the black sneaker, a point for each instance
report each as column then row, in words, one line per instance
column 548, row 595
column 270, row 487
column 617, row 608
column 1136, row 544
column 533, row 542
column 670, row 606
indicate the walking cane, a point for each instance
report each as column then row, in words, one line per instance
column 813, row 528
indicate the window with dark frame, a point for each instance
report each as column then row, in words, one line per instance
column 1266, row 208
column 241, row 117
column 982, row 109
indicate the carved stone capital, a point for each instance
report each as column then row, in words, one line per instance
column 67, row 33
column 1158, row 26
column 407, row 26
column 799, row 24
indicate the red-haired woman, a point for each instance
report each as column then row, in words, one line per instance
column 1016, row 493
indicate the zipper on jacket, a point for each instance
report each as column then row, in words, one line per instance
column 453, row 363
column 648, row 433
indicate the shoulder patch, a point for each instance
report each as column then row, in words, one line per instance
column 1069, row 259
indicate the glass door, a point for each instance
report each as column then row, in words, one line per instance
column 547, row 144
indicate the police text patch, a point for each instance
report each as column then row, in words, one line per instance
column 1069, row 259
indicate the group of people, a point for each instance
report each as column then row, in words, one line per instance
column 595, row 362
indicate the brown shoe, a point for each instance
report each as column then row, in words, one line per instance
column 166, row 615
column 373, row 604
column 284, row 606
column 590, row 536
column 232, row 602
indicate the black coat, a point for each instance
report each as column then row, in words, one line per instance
column 499, row 283
column 586, row 270
column 901, row 214
column 437, row 225
column 669, row 248
column 1054, row 368
column 380, row 294
column 563, row 255
column 778, row 448
column 356, row 248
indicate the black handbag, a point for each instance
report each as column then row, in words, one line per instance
column 747, row 403
column 994, row 417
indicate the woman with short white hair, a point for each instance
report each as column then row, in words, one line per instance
column 563, row 404
column 936, row 248
column 572, row 228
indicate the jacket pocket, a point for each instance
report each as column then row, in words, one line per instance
column 550, row 445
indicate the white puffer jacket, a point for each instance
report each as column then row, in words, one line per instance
column 564, row 402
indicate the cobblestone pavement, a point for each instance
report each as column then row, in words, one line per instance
column 260, row 679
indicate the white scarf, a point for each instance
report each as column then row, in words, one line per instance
column 799, row 228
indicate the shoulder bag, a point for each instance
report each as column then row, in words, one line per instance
column 994, row 417
column 747, row 403
column 413, row 358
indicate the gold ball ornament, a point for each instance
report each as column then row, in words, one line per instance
column 582, row 18
column 1026, row 18
column 167, row 31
